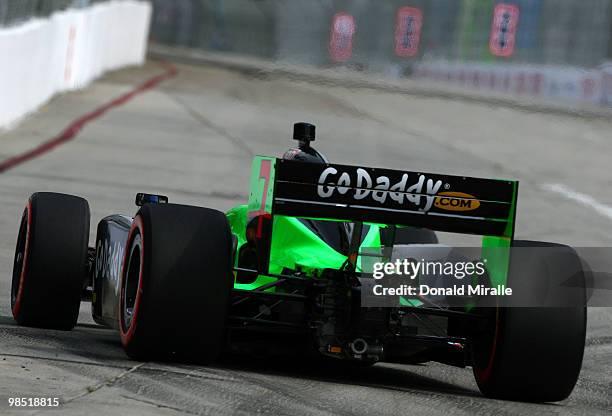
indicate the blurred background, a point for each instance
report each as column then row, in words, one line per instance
column 554, row 49
column 557, row 50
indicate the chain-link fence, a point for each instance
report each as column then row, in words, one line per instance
column 538, row 46
column 559, row 50
column 13, row 12
column 569, row 32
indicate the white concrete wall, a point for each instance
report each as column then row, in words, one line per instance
column 67, row 51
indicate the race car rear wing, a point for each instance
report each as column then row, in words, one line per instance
column 351, row 193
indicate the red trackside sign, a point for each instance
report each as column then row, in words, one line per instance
column 503, row 30
column 408, row 26
column 341, row 37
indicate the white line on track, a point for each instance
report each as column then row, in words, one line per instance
column 581, row 198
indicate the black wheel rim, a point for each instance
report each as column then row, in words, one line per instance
column 132, row 282
column 19, row 257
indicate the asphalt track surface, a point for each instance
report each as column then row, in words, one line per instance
column 192, row 136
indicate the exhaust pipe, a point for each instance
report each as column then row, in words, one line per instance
column 359, row 346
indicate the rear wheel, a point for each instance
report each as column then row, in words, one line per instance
column 535, row 353
column 175, row 284
column 49, row 268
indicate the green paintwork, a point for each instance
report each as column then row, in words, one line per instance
column 496, row 250
column 295, row 246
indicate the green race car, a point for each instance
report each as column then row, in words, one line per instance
column 293, row 272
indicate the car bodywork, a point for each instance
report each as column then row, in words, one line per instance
column 292, row 276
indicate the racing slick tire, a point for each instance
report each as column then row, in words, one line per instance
column 50, row 263
column 175, row 284
column 534, row 354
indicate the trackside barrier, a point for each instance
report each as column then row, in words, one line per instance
column 66, row 51
column 553, row 51
column 548, row 82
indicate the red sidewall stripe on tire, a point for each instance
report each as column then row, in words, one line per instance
column 128, row 333
column 485, row 373
column 71, row 131
column 24, row 265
